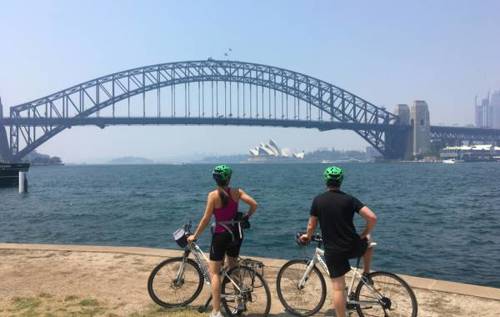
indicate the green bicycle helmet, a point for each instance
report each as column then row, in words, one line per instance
column 333, row 174
column 222, row 173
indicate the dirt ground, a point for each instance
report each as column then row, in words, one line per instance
column 74, row 283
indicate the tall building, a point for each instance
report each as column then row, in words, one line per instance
column 487, row 112
column 421, row 128
column 479, row 110
column 495, row 109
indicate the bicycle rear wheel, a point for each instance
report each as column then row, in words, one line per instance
column 175, row 282
column 253, row 297
column 300, row 301
column 390, row 295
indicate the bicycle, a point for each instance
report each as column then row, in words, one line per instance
column 302, row 289
column 177, row 282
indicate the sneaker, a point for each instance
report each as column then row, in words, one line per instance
column 217, row 314
column 367, row 279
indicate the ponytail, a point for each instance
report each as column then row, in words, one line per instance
column 224, row 197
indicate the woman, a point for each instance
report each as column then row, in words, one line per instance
column 222, row 203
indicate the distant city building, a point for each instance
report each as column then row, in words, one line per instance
column 271, row 150
column 495, row 109
column 487, row 112
column 480, row 112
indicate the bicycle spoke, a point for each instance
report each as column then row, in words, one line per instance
column 175, row 283
column 305, row 300
column 396, row 299
column 244, row 297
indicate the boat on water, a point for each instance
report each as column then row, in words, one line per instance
column 9, row 173
column 452, row 161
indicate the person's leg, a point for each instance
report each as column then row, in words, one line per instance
column 338, row 266
column 214, row 268
column 232, row 254
column 231, row 262
column 339, row 297
column 217, row 250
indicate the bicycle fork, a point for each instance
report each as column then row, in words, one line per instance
column 305, row 277
column 180, row 272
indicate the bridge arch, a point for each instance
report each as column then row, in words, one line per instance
column 35, row 122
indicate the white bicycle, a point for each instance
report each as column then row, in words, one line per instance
column 178, row 282
column 302, row 289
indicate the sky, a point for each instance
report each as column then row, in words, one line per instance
column 388, row 52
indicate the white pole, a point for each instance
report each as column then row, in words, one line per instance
column 23, row 182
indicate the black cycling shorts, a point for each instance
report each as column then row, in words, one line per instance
column 222, row 244
column 338, row 263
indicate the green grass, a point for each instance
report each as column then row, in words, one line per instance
column 89, row 302
column 155, row 311
column 22, row 303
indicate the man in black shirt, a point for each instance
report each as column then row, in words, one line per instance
column 335, row 210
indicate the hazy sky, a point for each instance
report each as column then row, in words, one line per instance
column 388, row 52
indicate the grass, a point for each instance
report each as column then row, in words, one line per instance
column 23, row 303
column 89, row 302
column 155, row 311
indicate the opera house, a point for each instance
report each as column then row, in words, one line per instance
column 271, row 151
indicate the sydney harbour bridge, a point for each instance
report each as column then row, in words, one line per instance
column 213, row 92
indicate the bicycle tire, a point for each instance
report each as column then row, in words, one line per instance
column 257, row 282
column 164, row 302
column 280, row 289
column 393, row 281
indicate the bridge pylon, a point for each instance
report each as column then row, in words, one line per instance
column 4, row 143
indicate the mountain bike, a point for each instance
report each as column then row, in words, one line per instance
column 178, row 281
column 302, row 288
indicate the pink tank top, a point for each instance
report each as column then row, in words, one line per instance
column 227, row 213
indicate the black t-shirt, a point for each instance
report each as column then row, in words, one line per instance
column 335, row 211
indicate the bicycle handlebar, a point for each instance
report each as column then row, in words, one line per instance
column 315, row 238
column 187, row 227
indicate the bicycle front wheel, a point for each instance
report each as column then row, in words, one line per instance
column 305, row 300
column 175, row 282
column 389, row 295
column 244, row 292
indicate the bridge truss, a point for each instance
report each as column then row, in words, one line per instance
column 459, row 135
column 202, row 92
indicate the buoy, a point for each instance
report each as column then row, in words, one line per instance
column 23, row 182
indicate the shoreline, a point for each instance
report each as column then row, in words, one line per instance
column 115, row 278
column 415, row 281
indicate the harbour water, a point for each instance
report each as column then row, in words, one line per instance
column 435, row 220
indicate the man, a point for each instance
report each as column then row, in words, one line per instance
column 335, row 210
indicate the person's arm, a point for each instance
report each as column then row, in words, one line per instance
column 311, row 227
column 370, row 218
column 204, row 220
column 249, row 201
column 312, row 223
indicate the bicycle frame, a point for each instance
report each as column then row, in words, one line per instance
column 318, row 257
column 201, row 259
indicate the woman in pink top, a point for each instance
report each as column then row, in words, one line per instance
column 222, row 203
